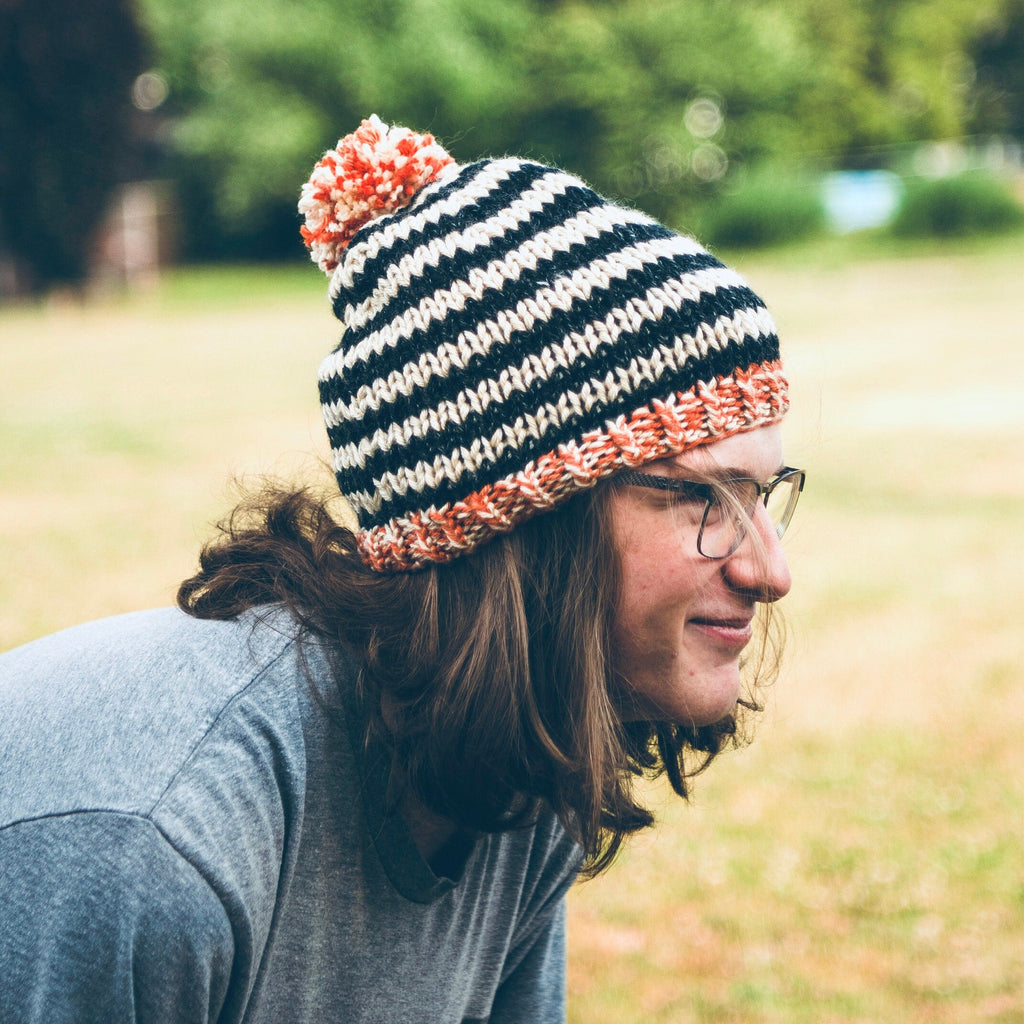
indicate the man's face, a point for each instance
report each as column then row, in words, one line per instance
column 684, row 619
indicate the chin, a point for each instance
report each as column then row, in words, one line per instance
column 696, row 700
column 714, row 698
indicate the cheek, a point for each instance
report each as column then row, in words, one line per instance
column 659, row 581
column 656, row 599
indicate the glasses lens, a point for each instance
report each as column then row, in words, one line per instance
column 782, row 499
column 725, row 518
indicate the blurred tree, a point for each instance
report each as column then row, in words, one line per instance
column 66, row 70
column 606, row 89
column 673, row 95
column 997, row 54
column 889, row 71
column 655, row 101
column 261, row 91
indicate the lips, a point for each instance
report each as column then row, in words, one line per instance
column 728, row 632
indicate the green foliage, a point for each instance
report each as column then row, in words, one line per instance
column 623, row 93
column 997, row 55
column 655, row 102
column 260, row 91
column 767, row 209
column 965, row 204
column 890, row 71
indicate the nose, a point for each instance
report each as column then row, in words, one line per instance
column 758, row 566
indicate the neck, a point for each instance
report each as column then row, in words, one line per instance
column 440, row 842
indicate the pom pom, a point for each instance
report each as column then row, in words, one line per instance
column 375, row 170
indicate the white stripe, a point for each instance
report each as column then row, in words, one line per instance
column 400, row 275
column 588, row 224
column 537, row 366
column 450, row 468
column 487, row 180
column 482, row 338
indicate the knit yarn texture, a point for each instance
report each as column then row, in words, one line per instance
column 511, row 338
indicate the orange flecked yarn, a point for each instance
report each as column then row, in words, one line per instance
column 375, row 170
column 748, row 398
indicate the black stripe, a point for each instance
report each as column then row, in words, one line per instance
column 719, row 364
column 516, row 458
column 507, row 191
column 521, row 344
column 512, row 292
column 519, row 404
column 518, row 180
column 450, row 269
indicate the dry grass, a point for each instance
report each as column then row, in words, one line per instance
column 863, row 861
column 121, row 426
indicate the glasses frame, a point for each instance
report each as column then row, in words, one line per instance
column 709, row 493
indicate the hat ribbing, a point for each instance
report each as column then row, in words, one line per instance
column 510, row 338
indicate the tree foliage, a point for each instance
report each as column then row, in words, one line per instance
column 655, row 101
column 997, row 62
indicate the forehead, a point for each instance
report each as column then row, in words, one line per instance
column 754, row 453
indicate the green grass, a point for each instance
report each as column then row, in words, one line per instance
column 834, row 251
column 863, row 859
column 219, row 284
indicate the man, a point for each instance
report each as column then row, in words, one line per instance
column 354, row 776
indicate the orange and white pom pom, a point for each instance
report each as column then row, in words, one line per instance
column 375, row 170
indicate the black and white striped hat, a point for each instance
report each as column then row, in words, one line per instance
column 511, row 337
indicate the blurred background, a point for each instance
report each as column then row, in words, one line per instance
column 133, row 134
column 860, row 161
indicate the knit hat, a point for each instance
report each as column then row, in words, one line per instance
column 511, row 338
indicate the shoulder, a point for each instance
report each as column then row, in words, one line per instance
column 543, row 861
column 104, row 716
column 144, row 644
column 157, row 765
column 104, row 920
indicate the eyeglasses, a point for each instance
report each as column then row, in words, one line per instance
column 728, row 505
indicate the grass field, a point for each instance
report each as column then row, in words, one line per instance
column 863, row 859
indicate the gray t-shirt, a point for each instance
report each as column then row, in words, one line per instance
column 192, row 830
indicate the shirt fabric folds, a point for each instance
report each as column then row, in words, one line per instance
column 192, row 829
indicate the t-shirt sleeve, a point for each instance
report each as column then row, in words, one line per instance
column 101, row 920
column 534, row 993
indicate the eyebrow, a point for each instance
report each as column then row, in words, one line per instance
column 721, row 473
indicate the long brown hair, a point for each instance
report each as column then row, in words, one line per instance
column 495, row 669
